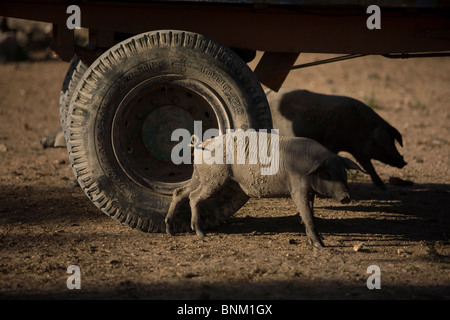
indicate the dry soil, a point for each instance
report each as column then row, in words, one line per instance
column 261, row 252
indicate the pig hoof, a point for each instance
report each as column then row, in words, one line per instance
column 169, row 230
column 195, row 227
column 200, row 233
column 317, row 243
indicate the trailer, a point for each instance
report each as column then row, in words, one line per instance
column 152, row 67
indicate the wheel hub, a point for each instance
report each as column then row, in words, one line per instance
column 143, row 126
column 156, row 132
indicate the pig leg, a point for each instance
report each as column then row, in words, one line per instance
column 303, row 204
column 311, row 196
column 180, row 196
column 199, row 196
column 367, row 165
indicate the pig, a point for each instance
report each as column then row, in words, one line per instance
column 340, row 124
column 305, row 169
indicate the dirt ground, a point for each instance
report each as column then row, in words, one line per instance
column 260, row 253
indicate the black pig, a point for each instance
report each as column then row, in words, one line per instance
column 340, row 124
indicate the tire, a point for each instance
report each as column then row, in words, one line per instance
column 73, row 76
column 128, row 103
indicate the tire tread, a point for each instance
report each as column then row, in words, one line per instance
column 85, row 91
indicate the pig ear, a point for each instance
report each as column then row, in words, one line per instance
column 316, row 166
column 349, row 164
column 397, row 136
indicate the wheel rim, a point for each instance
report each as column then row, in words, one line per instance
column 144, row 122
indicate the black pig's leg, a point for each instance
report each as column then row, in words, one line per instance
column 367, row 165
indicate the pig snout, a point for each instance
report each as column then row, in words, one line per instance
column 395, row 159
column 342, row 195
column 345, row 199
column 401, row 163
column 398, row 162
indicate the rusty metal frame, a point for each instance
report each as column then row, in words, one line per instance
column 281, row 28
column 292, row 28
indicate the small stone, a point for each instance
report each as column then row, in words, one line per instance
column 3, row 147
column 438, row 141
column 357, row 247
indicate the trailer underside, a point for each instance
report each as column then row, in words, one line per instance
column 282, row 29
